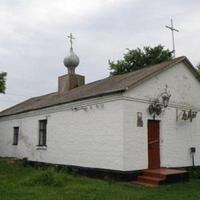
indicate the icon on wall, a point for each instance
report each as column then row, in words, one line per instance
column 185, row 115
column 139, row 119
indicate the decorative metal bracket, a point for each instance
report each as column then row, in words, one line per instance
column 160, row 103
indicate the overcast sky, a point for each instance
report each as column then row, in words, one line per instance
column 33, row 37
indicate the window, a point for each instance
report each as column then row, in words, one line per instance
column 42, row 132
column 15, row 135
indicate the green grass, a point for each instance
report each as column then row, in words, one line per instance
column 24, row 183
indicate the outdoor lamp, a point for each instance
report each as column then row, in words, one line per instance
column 165, row 100
column 165, row 96
column 160, row 103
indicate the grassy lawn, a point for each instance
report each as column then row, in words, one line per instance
column 24, row 183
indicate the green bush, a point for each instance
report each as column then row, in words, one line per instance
column 47, row 177
column 194, row 173
column 25, row 162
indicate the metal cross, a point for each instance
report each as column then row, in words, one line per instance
column 71, row 39
column 172, row 30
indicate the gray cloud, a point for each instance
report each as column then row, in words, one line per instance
column 33, row 38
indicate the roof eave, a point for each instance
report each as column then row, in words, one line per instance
column 80, row 99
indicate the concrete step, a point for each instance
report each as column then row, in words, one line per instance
column 153, row 174
column 150, row 180
column 162, row 176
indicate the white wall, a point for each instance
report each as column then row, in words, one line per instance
column 108, row 137
column 91, row 138
column 175, row 137
column 135, row 138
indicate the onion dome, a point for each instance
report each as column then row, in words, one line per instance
column 71, row 61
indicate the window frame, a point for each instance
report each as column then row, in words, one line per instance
column 42, row 136
column 15, row 135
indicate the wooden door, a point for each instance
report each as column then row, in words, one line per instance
column 154, row 144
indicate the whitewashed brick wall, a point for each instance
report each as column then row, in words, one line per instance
column 108, row 137
column 175, row 137
column 92, row 138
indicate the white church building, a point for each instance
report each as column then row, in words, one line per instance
column 144, row 119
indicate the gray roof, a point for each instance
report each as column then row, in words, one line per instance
column 112, row 84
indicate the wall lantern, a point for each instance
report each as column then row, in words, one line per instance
column 165, row 99
column 160, row 103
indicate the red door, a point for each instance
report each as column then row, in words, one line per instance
column 154, row 144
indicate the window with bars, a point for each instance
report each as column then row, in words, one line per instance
column 42, row 132
column 15, row 135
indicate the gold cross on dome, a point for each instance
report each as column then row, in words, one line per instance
column 71, row 38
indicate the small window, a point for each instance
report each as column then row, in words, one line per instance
column 42, row 132
column 15, row 135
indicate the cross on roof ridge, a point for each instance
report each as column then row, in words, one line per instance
column 172, row 30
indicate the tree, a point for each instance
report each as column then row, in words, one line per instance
column 198, row 68
column 139, row 58
column 3, row 82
